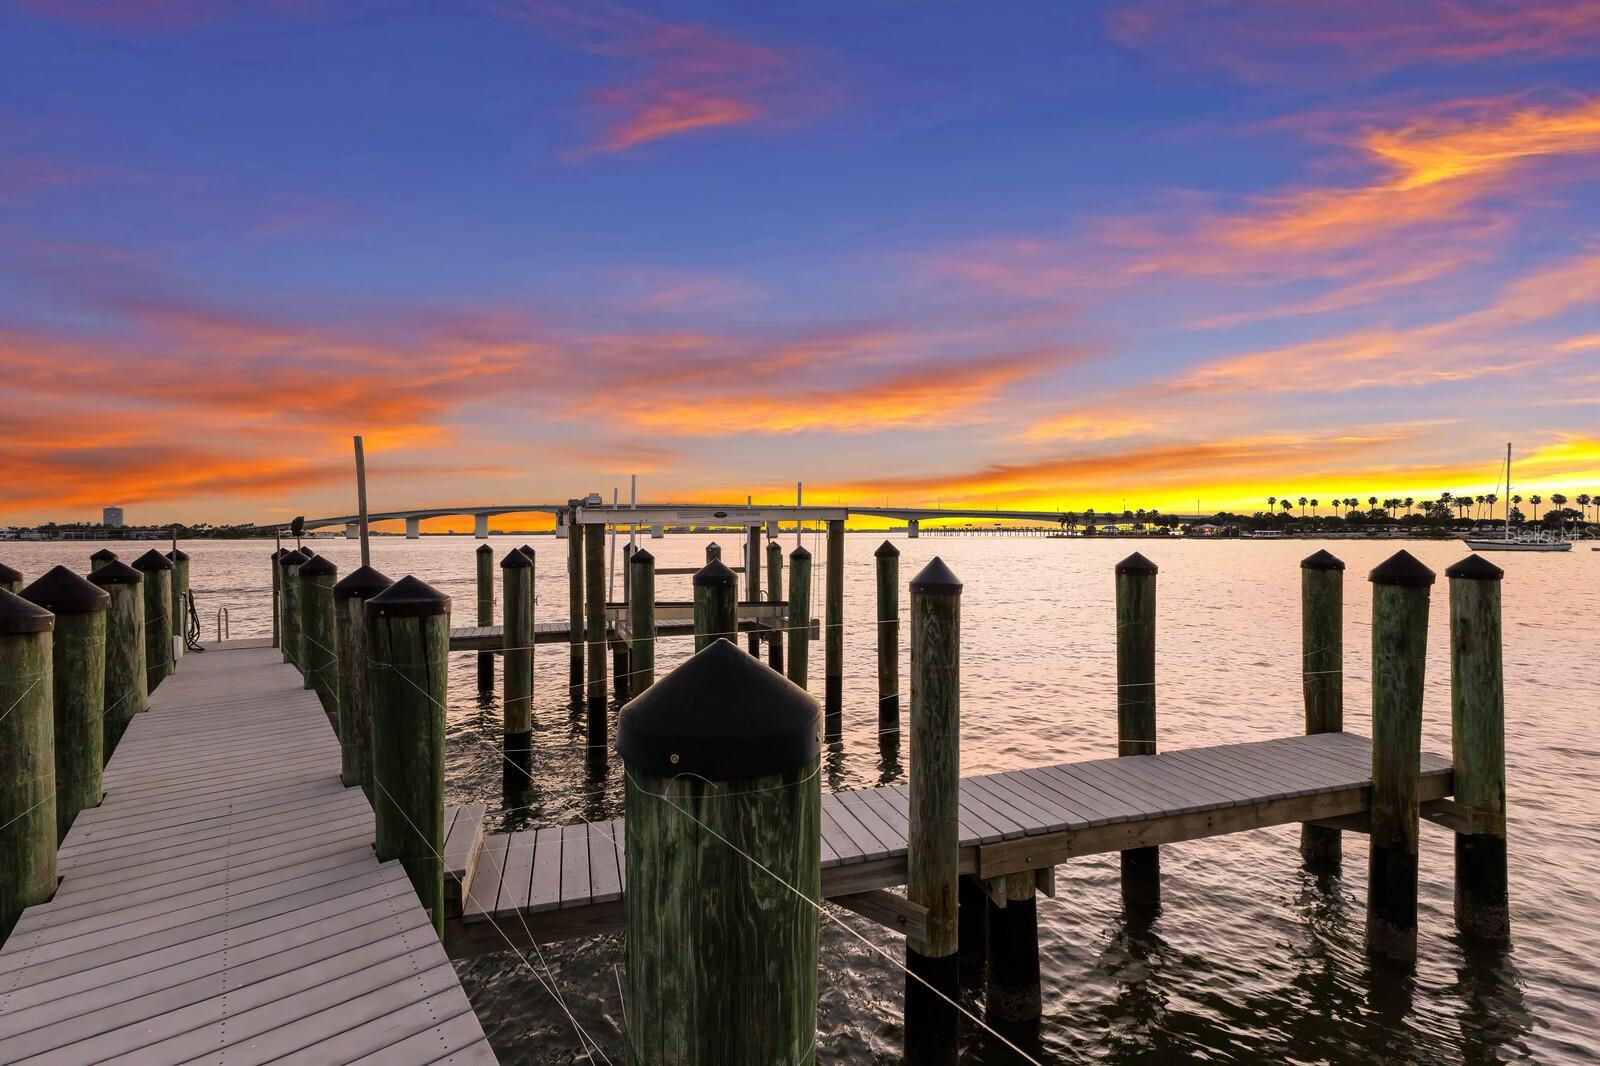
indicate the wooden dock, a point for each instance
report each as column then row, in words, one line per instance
column 224, row 902
column 557, row 882
column 673, row 619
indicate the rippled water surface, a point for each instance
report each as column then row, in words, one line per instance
column 1251, row 959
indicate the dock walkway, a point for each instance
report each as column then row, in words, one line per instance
column 224, row 903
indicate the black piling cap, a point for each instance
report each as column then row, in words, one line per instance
column 1136, row 564
column 60, row 591
column 937, row 579
column 104, row 555
column 1475, row 568
column 362, row 583
column 484, row 548
column 278, row 553
column 715, row 574
column 722, row 715
column 319, row 566
column 408, row 598
column 292, row 558
column 151, row 561
column 9, row 576
column 308, row 551
column 116, row 572
column 800, row 552
column 1403, row 569
column 516, row 559
column 527, row 549
column 178, row 555
column 1322, row 559
column 643, row 556
column 886, row 551
column 18, row 615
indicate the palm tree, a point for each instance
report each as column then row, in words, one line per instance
column 1536, row 501
column 1410, row 503
column 1302, row 507
column 1372, row 501
column 1314, row 505
column 1272, row 504
column 1287, row 505
column 1559, row 501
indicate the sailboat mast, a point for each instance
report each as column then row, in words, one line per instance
column 1508, row 490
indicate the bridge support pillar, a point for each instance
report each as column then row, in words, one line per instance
column 352, row 531
column 413, row 528
column 772, row 529
column 657, row 532
column 913, row 529
column 480, row 526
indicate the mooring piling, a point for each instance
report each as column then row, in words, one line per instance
column 485, row 573
column 575, row 585
column 716, row 604
column 157, row 570
column 933, row 835
column 1013, row 993
column 722, row 795
column 408, row 647
column 317, row 640
column 277, row 597
column 833, row 622
column 78, row 669
column 798, row 620
column 1136, row 706
column 350, row 598
column 774, row 595
column 642, row 619
column 180, row 599
column 1478, row 744
column 713, row 551
column 1400, row 592
column 289, row 564
column 27, row 758
column 125, row 678
column 101, row 558
column 752, row 577
column 10, row 579
column 887, row 559
column 621, row 671
column 517, row 576
column 594, row 624
column 1322, row 674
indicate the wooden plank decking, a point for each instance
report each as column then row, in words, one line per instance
column 224, row 903
column 566, row 881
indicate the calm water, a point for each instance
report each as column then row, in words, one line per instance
column 1251, row 959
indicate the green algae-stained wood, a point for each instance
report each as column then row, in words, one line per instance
column 318, row 642
column 1322, row 674
column 642, row 619
column 716, row 606
column 774, row 594
column 1478, row 745
column 350, row 598
column 887, row 563
column 575, row 640
column 408, row 644
column 485, row 574
column 180, row 597
column 594, row 627
column 27, row 759
column 799, row 620
column 1400, row 592
column 517, row 576
column 125, row 687
column 1136, row 704
column 833, row 621
column 157, row 570
column 78, row 666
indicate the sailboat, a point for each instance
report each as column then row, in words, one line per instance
column 1523, row 541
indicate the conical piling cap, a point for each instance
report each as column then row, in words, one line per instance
column 722, row 715
column 527, row 549
column 1322, row 559
column 1475, row 568
column 715, row 574
column 800, row 552
column 484, row 548
column 293, row 558
column 151, row 561
column 60, row 591
column 116, row 572
column 1403, row 569
column 319, row 566
column 642, row 556
column 516, row 559
column 936, row 578
column 362, row 583
column 18, row 615
column 887, row 551
column 408, row 598
column 9, row 576
column 104, row 555
column 1137, row 564
column 178, row 555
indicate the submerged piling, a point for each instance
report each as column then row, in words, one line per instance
column 157, row 571
column 1400, row 587
column 485, row 574
column 350, row 598
column 126, row 693
column 1322, row 674
column 78, row 667
column 642, row 619
column 798, row 621
column 27, row 759
column 723, row 808
column 317, row 639
column 1478, row 748
column 517, row 574
column 1014, row 992
column 1136, row 706
column 887, row 561
column 716, row 607
column 408, row 643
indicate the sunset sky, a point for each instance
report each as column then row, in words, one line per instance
column 1034, row 254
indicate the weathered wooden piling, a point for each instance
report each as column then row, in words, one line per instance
column 318, row 641
column 517, row 577
column 78, row 667
column 408, row 647
column 575, row 640
column 723, row 808
column 752, row 577
column 798, row 621
column 933, row 837
column 27, row 759
column 157, row 571
column 972, row 929
column 485, row 564
column 1136, row 705
column 1322, row 674
column 277, row 597
column 621, row 671
column 180, row 599
column 594, row 625
column 642, row 619
column 833, row 621
column 10, row 579
column 1013, row 993
column 774, row 595
column 887, row 559
column 716, row 604
column 1400, row 593
column 713, row 551
column 101, row 558
column 126, row 679
column 350, row 598
column 289, row 564
column 1478, row 747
